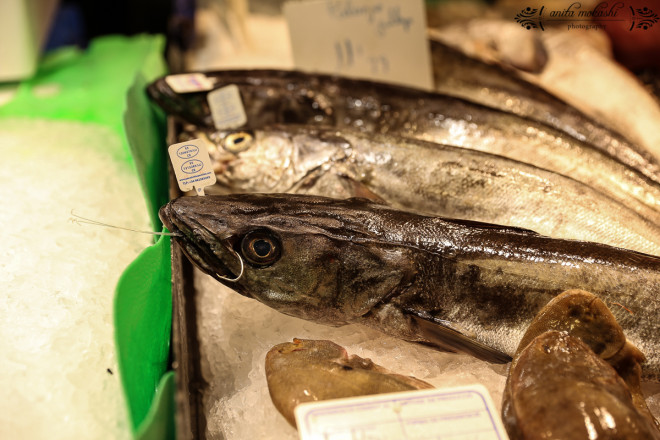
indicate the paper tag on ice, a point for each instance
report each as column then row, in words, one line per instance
column 192, row 165
column 227, row 107
column 457, row 413
column 375, row 39
column 189, row 82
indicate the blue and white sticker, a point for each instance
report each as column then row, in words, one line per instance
column 192, row 165
column 189, row 82
column 458, row 413
column 227, row 108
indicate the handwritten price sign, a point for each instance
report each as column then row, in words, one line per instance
column 375, row 39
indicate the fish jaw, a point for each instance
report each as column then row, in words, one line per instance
column 210, row 253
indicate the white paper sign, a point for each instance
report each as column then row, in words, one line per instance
column 457, row 413
column 192, row 165
column 189, row 82
column 374, row 39
column 227, row 108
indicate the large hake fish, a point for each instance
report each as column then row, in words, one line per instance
column 456, row 285
column 436, row 179
column 272, row 96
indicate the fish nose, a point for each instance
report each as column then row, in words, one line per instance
column 164, row 215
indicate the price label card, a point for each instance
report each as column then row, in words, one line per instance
column 374, row 39
column 189, row 82
column 455, row 413
column 227, row 108
column 192, row 165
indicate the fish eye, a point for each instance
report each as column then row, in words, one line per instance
column 261, row 248
column 237, row 142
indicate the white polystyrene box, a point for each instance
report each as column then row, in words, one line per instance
column 24, row 26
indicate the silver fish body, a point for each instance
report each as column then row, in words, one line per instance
column 458, row 74
column 293, row 97
column 457, row 285
column 427, row 177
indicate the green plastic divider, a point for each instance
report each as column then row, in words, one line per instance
column 159, row 423
column 143, row 311
column 145, row 130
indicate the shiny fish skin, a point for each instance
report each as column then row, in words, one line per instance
column 562, row 390
column 574, row 314
column 458, row 74
column 436, row 179
column 272, row 96
column 337, row 262
column 308, row 371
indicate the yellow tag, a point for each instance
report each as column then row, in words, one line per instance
column 192, row 165
column 374, row 39
column 456, row 413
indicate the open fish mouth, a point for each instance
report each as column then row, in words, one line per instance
column 195, row 241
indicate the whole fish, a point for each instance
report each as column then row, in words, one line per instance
column 422, row 176
column 562, row 390
column 308, row 371
column 456, row 285
column 579, row 315
column 271, row 96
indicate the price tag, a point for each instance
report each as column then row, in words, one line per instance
column 457, row 413
column 189, row 82
column 227, row 107
column 375, row 39
column 192, row 165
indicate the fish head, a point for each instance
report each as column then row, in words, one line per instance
column 310, row 257
column 279, row 159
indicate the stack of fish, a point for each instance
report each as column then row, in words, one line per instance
column 465, row 185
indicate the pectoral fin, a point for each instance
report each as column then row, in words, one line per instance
column 450, row 339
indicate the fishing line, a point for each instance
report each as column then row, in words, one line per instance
column 75, row 218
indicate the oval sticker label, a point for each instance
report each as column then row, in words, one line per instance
column 192, row 166
column 187, row 151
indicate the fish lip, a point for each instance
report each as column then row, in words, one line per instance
column 201, row 256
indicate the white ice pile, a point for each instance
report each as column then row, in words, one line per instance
column 58, row 367
column 237, row 332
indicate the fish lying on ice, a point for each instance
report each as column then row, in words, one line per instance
column 566, row 378
column 271, row 96
column 458, row 74
column 456, row 285
column 422, row 176
column 308, row 371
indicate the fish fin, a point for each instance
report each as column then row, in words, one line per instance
column 450, row 339
column 482, row 225
column 361, row 191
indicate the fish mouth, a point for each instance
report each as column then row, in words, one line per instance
column 200, row 245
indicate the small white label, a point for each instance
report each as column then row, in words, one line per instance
column 456, row 413
column 227, row 107
column 192, row 165
column 189, row 82
column 375, row 39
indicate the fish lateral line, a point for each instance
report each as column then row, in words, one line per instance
column 80, row 220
